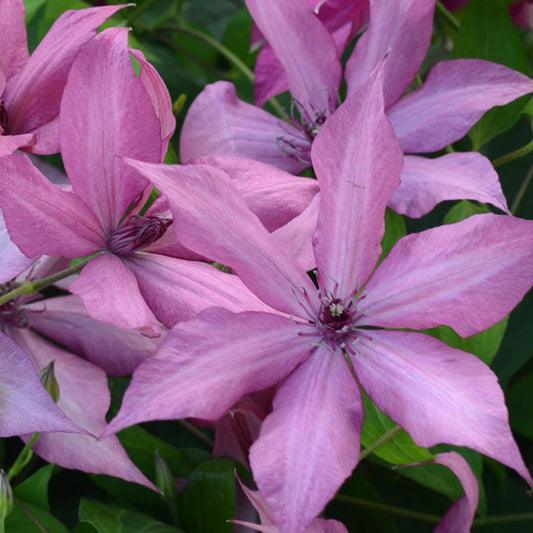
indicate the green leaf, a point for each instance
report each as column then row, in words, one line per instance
column 208, row 500
column 394, row 231
column 26, row 516
column 520, row 400
column 464, row 209
column 400, row 450
column 109, row 519
column 34, row 490
column 487, row 32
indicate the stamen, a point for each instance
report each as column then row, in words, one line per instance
column 138, row 233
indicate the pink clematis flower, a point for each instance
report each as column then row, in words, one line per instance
column 107, row 110
column 31, row 86
column 454, row 97
column 467, row 276
column 67, row 430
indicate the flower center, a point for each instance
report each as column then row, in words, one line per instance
column 10, row 314
column 136, row 233
column 4, row 123
column 334, row 314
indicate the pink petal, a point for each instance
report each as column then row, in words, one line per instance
column 110, row 292
column 205, row 365
column 218, row 123
column 305, row 49
column 460, row 516
column 212, row 219
column 13, row 41
column 454, row 97
column 318, row 525
column 41, row 218
column 160, row 97
column 310, row 444
column 26, row 406
column 403, row 28
column 467, row 276
column 12, row 260
column 34, row 94
column 45, row 138
column 106, row 110
column 65, row 321
column 357, row 160
column 10, row 143
column 85, row 399
column 177, row 290
column 297, row 235
column 270, row 76
column 274, row 195
column 460, row 175
column 437, row 393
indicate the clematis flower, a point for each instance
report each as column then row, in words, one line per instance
column 107, row 110
column 454, row 97
column 336, row 338
column 31, row 86
column 67, row 430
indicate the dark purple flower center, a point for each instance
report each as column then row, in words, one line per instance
column 136, row 233
column 4, row 123
column 334, row 314
column 10, row 314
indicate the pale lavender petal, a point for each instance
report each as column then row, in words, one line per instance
column 460, row 516
column 12, row 260
column 177, row 290
column 110, row 292
column 65, row 321
column 305, row 49
column 10, row 143
column 453, row 98
column 34, row 94
column 297, row 235
column 403, row 29
column 467, row 276
column 212, row 219
column 205, row 365
column 42, row 219
column 160, row 97
column 309, row 445
column 357, row 160
column 460, row 175
column 106, row 110
column 84, row 397
column 274, row 195
column 26, row 406
column 437, row 393
column 13, row 40
column 218, row 123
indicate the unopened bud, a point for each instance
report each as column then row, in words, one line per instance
column 178, row 104
column 6, row 497
column 164, row 479
column 49, row 381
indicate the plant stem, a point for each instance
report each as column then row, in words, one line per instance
column 398, row 511
column 454, row 23
column 522, row 191
column 507, row 158
column 23, row 458
column 227, row 53
column 380, row 442
column 200, row 435
column 502, row 519
column 31, row 287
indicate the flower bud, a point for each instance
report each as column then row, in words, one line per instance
column 49, row 381
column 6, row 497
column 164, row 479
